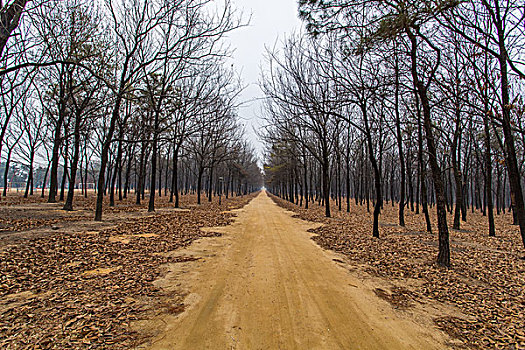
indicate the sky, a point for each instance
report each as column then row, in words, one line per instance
column 271, row 21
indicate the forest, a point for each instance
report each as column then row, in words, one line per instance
column 369, row 194
column 415, row 103
column 135, row 105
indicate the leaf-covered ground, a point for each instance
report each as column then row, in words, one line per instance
column 486, row 281
column 65, row 288
column 20, row 214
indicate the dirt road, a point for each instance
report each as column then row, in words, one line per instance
column 266, row 285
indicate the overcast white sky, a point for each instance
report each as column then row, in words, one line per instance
column 271, row 20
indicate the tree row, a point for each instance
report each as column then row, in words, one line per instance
column 121, row 97
column 416, row 103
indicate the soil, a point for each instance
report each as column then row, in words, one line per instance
column 478, row 301
column 265, row 284
column 78, row 284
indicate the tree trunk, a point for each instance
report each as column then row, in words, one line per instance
column 444, row 248
column 199, row 184
column 399, row 138
column 488, row 177
column 210, row 184
column 326, row 183
column 57, row 142
column 45, row 181
column 175, row 176
column 10, row 17
column 348, row 182
column 306, row 200
column 65, row 173
column 118, row 166
column 377, row 175
column 105, row 156
column 68, row 205
column 151, row 204
column 85, row 171
column 457, row 178
column 6, row 171
column 140, row 179
column 510, row 149
column 29, row 183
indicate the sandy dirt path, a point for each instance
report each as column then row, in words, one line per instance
column 266, row 285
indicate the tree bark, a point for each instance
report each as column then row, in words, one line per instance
column 9, row 19
column 105, row 156
column 444, row 248
column 199, row 184
column 29, row 184
column 488, row 175
column 510, row 149
column 326, row 182
column 377, row 175
column 399, row 138
column 57, row 141
column 45, row 181
column 68, row 205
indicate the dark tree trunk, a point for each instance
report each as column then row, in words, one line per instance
column 488, row 176
column 199, row 184
column 105, row 156
column 53, row 182
column 444, row 248
column 151, row 204
column 9, row 19
column 422, row 167
column 85, row 170
column 411, row 188
column 457, row 176
column 175, row 176
column 210, row 184
column 306, row 199
column 29, row 184
column 118, row 165
column 130, row 155
column 65, row 172
column 159, row 186
column 68, row 205
column 348, row 176
column 226, row 192
column 377, row 174
column 119, row 179
column 510, row 149
column 141, row 175
column 45, row 181
column 57, row 141
column 326, row 183
column 338, row 181
column 6, row 171
column 167, row 171
column 399, row 138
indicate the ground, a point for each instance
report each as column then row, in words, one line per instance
column 266, row 285
column 478, row 301
column 68, row 282
column 222, row 277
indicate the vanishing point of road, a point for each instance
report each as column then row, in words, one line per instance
column 266, row 285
